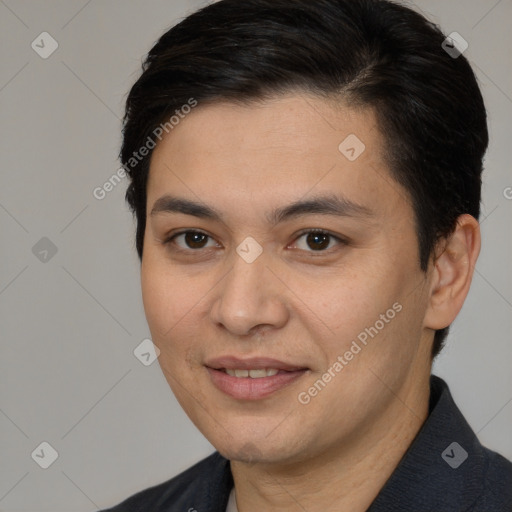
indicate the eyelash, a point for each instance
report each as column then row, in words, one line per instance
column 169, row 240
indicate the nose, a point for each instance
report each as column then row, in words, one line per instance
column 250, row 299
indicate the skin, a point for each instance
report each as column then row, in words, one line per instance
column 296, row 303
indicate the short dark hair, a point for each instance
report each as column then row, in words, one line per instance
column 369, row 53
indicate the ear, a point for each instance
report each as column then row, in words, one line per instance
column 453, row 267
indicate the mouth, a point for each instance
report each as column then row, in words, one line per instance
column 254, row 378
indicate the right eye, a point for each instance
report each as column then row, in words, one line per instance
column 191, row 240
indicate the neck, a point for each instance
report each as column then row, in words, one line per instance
column 346, row 477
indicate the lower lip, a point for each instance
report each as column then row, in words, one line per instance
column 247, row 388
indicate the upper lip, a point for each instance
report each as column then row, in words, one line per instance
column 251, row 363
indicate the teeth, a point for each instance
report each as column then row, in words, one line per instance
column 256, row 374
column 253, row 374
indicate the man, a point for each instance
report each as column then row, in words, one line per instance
column 306, row 179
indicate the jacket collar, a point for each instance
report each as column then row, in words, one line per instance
column 444, row 467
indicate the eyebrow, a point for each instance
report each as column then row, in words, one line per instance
column 322, row 205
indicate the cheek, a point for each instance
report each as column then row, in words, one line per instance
column 171, row 309
column 368, row 314
column 166, row 298
column 344, row 303
column 157, row 302
column 175, row 305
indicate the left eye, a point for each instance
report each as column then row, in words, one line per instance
column 318, row 241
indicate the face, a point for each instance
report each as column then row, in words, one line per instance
column 281, row 277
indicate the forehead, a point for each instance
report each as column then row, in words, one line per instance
column 275, row 150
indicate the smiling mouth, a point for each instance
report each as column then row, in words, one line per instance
column 253, row 383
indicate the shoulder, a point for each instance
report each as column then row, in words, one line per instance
column 206, row 483
column 496, row 491
column 482, row 481
column 446, row 468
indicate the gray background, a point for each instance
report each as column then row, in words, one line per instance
column 69, row 325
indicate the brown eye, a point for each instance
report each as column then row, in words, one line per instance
column 190, row 240
column 317, row 241
column 195, row 240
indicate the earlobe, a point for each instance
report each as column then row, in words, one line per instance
column 452, row 273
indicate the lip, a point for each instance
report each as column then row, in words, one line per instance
column 247, row 388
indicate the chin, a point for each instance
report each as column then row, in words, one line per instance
column 258, row 449
column 248, row 453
